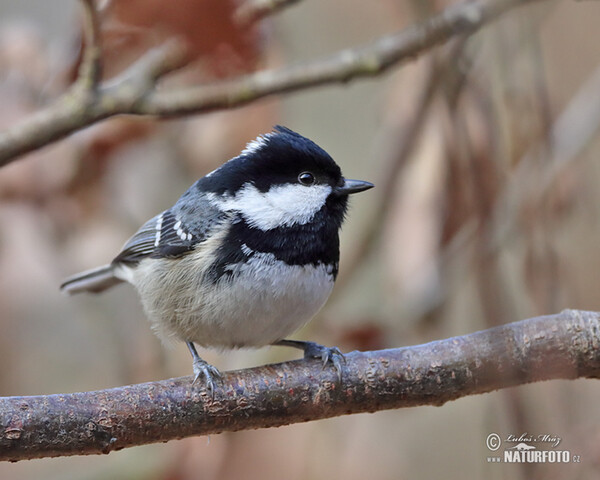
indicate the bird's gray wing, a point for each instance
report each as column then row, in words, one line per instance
column 174, row 232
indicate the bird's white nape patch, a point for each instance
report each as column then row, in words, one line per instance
column 251, row 147
column 280, row 206
column 255, row 145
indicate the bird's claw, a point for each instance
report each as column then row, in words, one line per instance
column 327, row 355
column 206, row 370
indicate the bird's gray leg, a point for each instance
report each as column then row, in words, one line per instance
column 203, row 368
column 315, row 350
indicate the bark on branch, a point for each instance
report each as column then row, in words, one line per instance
column 561, row 346
column 135, row 92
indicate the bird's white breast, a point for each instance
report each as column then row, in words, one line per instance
column 256, row 303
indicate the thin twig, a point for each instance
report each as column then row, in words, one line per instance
column 400, row 148
column 561, row 346
column 569, row 136
column 138, row 95
column 90, row 69
column 254, row 10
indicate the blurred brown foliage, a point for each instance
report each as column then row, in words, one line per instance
column 486, row 211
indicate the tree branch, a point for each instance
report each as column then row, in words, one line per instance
column 135, row 91
column 561, row 346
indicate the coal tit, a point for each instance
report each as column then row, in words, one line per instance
column 245, row 257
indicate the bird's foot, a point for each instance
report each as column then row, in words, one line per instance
column 208, row 372
column 203, row 369
column 315, row 350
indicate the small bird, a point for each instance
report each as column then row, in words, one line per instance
column 245, row 257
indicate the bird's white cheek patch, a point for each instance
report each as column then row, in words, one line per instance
column 280, row 206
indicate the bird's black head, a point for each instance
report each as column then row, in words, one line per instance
column 281, row 179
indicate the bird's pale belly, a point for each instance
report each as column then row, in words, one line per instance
column 255, row 304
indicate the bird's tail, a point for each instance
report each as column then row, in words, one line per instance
column 96, row 280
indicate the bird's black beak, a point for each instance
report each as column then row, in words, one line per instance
column 352, row 186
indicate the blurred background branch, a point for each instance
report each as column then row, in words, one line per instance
column 90, row 69
column 561, row 346
column 135, row 92
column 254, row 10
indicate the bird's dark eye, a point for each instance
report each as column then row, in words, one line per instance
column 306, row 178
